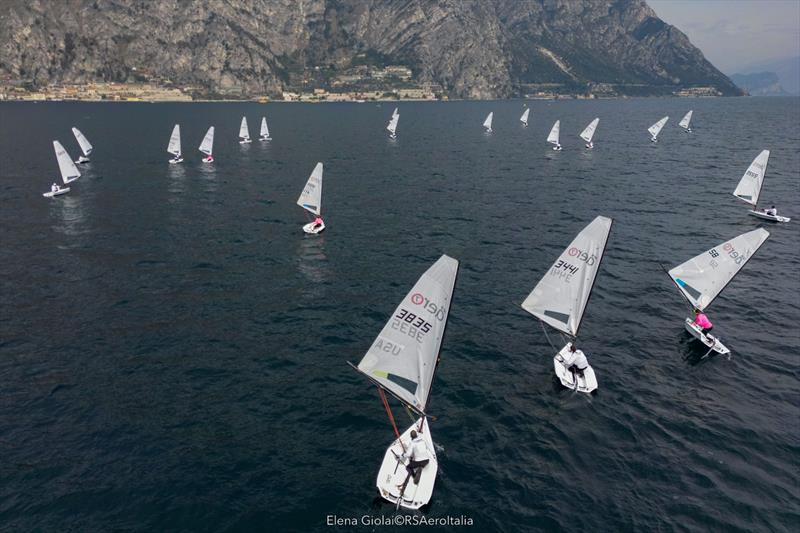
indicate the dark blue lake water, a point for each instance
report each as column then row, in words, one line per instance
column 173, row 348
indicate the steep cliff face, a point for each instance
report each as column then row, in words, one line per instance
column 474, row 49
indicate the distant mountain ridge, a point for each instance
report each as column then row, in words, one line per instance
column 480, row 49
column 771, row 78
column 760, row 84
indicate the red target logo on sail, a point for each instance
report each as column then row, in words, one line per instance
column 417, row 298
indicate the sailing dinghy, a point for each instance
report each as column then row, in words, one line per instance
column 207, row 146
column 244, row 132
column 749, row 188
column 488, row 122
column 402, row 361
column 588, row 133
column 174, row 146
column 702, row 278
column 552, row 138
column 559, row 299
column 524, row 117
column 656, row 128
column 684, row 123
column 311, row 200
column 264, row 132
column 69, row 172
column 86, row 146
column 392, row 127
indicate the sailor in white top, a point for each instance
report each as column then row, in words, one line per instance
column 54, row 188
column 575, row 360
column 417, row 452
column 772, row 211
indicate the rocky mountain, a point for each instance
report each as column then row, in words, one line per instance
column 467, row 48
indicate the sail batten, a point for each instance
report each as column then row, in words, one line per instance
column 702, row 278
column 69, row 172
column 207, row 146
column 174, row 146
column 749, row 187
column 403, row 357
column 656, row 128
column 588, row 133
column 554, row 133
column 560, row 297
column 311, row 197
column 86, row 146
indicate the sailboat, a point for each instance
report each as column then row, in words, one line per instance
column 684, row 123
column 402, row 361
column 702, row 278
column 524, row 117
column 749, row 188
column 86, row 146
column 559, row 299
column 207, row 146
column 392, row 127
column 588, row 133
column 488, row 122
column 174, row 146
column 244, row 132
column 552, row 138
column 69, row 172
column 655, row 129
column 264, row 133
column 311, row 200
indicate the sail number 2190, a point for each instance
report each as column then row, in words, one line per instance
column 412, row 325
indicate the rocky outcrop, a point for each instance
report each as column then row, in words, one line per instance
column 472, row 49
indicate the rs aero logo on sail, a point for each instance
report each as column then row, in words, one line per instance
column 429, row 306
column 731, row 251
column 582, row 256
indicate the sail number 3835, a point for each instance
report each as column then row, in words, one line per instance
column 412, row 325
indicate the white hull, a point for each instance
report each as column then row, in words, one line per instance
column 653, row 140
column 310, row 229
column 590, row 146
column 393, row 473
column 52, row 194
column 709, row 340
column 245, row 141
column 82, row 160
column 586, row 383
column 525, row 124
column 175, row 160
column 488, row 130
column 265, row 138
column 208, row 159
column 771, row 218
column 557, row 148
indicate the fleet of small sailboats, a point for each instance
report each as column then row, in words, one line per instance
column 656, row 128
column 702, row 278
column 588, row 133
column 552, row 137
column 559, row 299
column 174, row 146
column 86, row 146
column 207, row 146
column 264, row 132
column 402, row 361
column 311, row 200
column 684, row 123
column 749, row 189
column 487, row 124
column 244, row 132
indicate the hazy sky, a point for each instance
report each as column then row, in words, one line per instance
column 734, row 34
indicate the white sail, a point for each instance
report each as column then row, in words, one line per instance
column 560, row 298
column 702, row 278
column 392, row 127
column 488, row 122
column 655, row 129
column 86, row 146
column 749, row 187
column 588, row 133
column 684, row 123
column 395, row 113
column 402, row 359
column 524, row 117
column 207, row 146
column 174, row 146
column 264, row 128
column 69, row 172
column 244, row 132
column 311, row 197
column 554, row 133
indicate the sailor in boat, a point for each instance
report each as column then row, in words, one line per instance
column 317, row 222
column 772, row 211
column 418, row 456
column 575, row 361
column 54, row 188
column 703, row 322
